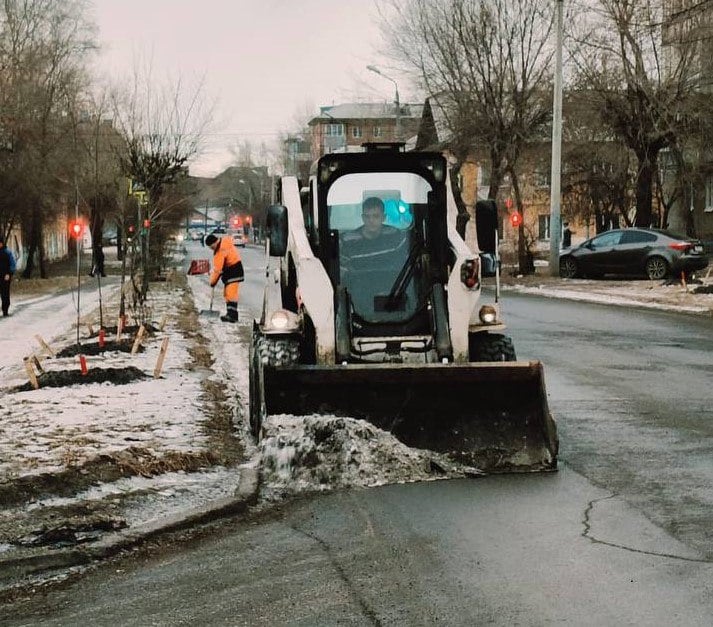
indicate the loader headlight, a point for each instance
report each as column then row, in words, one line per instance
column 488, row 314
column 279, row 320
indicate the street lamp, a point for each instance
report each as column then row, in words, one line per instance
column 376, row 70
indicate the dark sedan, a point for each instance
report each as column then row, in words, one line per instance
column 653, row 253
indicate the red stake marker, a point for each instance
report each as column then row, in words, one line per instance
column 83, row 364
column 102, row 337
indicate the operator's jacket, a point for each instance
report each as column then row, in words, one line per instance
column 227, row 264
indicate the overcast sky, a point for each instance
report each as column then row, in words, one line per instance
column 264, row 61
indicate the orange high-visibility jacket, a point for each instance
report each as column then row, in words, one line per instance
column 226, row 263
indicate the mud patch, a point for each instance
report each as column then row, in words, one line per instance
column 96, row 349
column 703, row 289
column 132, row 329
column 63, row 378
column 71, row 533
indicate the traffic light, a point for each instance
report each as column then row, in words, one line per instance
column 236, row 222
column 76, row 228
column 516, row 219
column 248, row 220
column 130, row 232
column 147, row 223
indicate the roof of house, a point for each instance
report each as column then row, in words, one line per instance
column 366, row 110
column 433, row 131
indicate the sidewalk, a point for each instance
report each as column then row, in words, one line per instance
column 696, row 298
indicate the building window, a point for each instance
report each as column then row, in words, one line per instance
column 543, row 227
column 356, row 131
column 483, row 175
column 709, row 194
column 377, row 131
column 334, row 130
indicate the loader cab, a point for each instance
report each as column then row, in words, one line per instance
column 381, row 233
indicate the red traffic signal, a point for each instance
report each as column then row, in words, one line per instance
column 248, row 220
column 237, row 222
column 147, row 223
column 516, row 218
column 76, row 228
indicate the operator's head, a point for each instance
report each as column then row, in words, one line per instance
column 372, row 213
column 211, row 240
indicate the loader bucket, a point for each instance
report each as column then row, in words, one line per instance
column 493, row 416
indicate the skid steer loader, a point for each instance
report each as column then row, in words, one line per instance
column 389, row 329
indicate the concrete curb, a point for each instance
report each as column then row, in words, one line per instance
column 615, row 299
column 15, row 569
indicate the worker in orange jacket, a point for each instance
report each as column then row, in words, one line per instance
column 227, row 266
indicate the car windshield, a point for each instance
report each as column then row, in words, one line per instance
column 375, row 216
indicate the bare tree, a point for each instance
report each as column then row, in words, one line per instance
column 43, row 50
column 164, row 125
column 641, row 89
column 487, row 63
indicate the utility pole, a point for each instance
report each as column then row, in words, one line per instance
column 556, row 167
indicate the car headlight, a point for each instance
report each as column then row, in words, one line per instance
column 488, row 314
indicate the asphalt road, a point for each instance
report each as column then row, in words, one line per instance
column 620, row 535
column 631, row 392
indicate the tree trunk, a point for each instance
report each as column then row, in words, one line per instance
column 644, row 191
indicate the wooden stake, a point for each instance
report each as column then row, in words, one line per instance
column 45, row 346
column 31, row 374
column 137, row 341
column 163, row 322
column 119, row 328
column 161, row 357
column 38, row 365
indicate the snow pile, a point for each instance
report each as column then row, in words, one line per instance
column 319, row 453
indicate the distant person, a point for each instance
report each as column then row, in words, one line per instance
column 7, row 269
column 227, row 266
column 566, row 235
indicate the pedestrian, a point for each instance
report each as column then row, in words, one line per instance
column 566, row 235
column 7, row 269
column 228, row 267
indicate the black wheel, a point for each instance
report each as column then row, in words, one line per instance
column 257, row 392
column 568, row 268
column 490, row 347
column 656, row 268
column 266, row 350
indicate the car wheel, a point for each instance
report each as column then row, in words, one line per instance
column 568, row 268
column 656, row 268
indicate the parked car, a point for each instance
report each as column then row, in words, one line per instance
column 653, row 253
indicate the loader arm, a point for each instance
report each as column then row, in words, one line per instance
column 315, row 289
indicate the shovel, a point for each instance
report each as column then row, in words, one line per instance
column 209, row 313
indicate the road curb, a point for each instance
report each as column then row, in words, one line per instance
column 615, row 299
column 14, row 569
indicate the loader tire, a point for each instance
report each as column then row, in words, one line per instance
column 267, row 351
column 490, row 347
